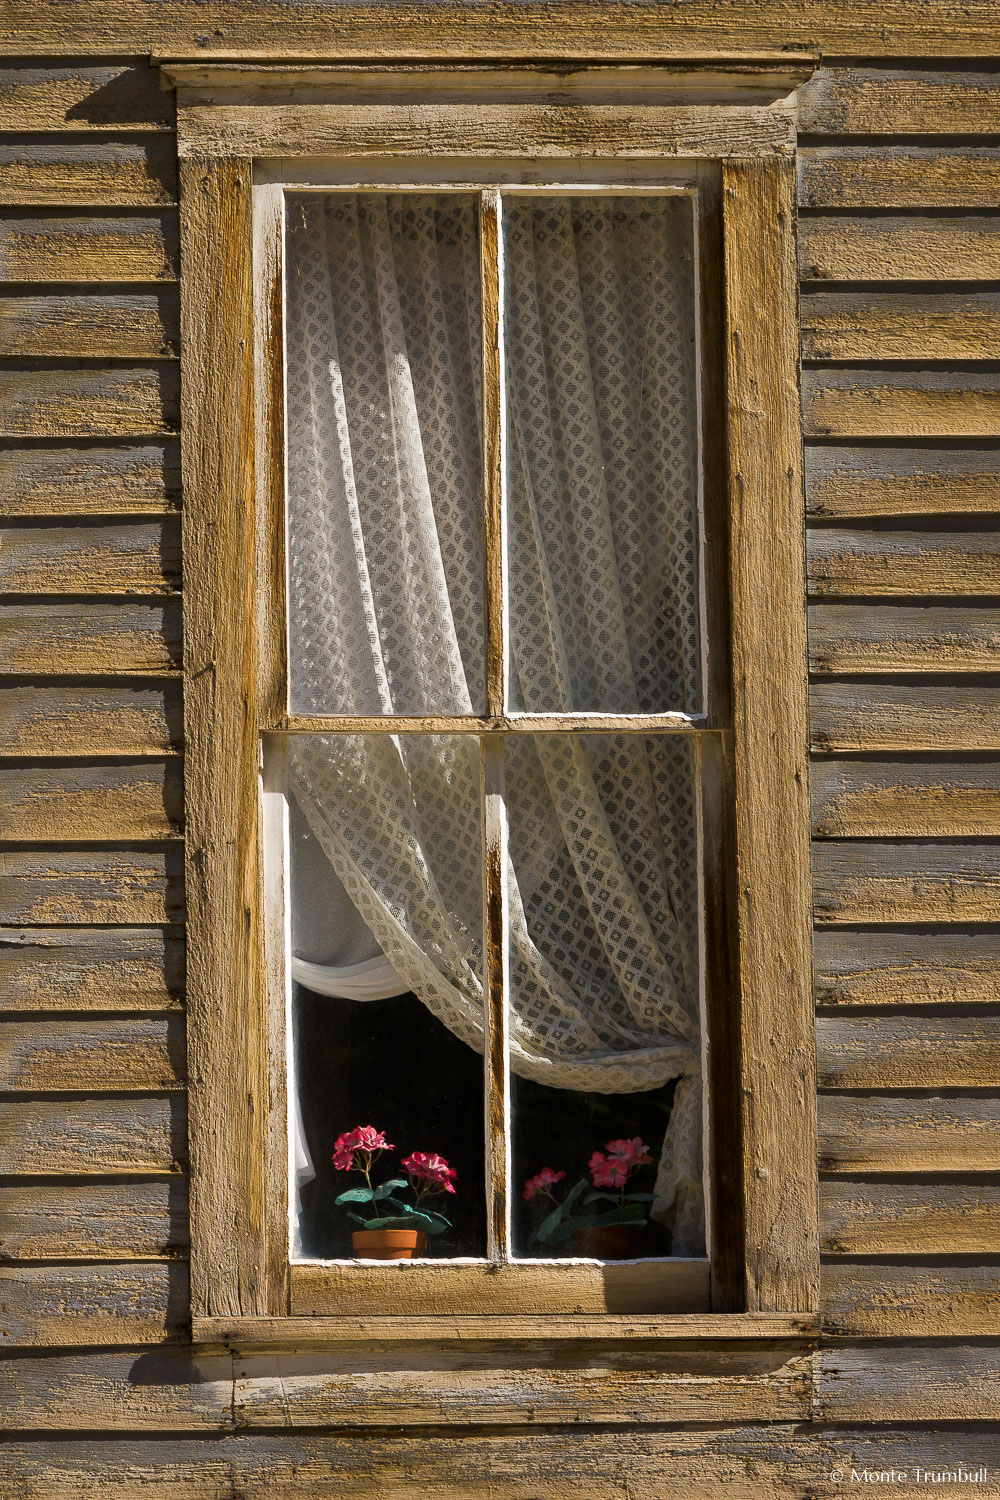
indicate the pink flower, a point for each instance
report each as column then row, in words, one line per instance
column 544, row 1179
column 428, row 1167
column 634, row 1153
column 607, row 1171
column 364, row 1138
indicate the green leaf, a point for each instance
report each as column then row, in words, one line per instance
column 357, row 1218
column 552, row 1224
column 438, row 1218
column 633, row 1214
column 356, row 1195
column 387, row 1187
column 639, row 1197
column 602, row 1198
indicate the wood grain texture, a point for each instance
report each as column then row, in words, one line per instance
column 105, row 720
column 908, row 1052
column 843, row 482
column 60, row 401
column 90, row 969
column 90, row 1054
column 870, row 1382
column 130, row 557
column 92, row 481
column 108, row 247
column 846, row 638
column 566, row 30
column 899, row 177
column 123, row 96
column 911, row 1301
column 239, row 1247
column 94, row 1137
column 861, row 881
column 769, row 735
column 863, row 1133
column 923, row 1218
column 889, row 717
column 376, row 1385
column 101, row 804
column 349, row 1289
column 284, row 1334
column 902, row 403
column 118, row 640
column 123, row 1390
column 872, row 562
column 40, row 887
column 483, row 130
column 127, row 174
column 912, row 799
column 904, row 968
column 784, row 1461
column 94, row 1221
column 143, row 1303
column 855, row 325
column 858, row 248
column 75, row 325
column 891, row 101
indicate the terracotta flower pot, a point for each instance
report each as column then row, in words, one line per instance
column 610, row 1241
column 389, row 1244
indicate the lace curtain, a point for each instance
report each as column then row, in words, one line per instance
column 386, row 616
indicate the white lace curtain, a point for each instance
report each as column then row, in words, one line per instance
column 386, row 616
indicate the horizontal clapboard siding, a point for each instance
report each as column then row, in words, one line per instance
column 118, row 640
column 907, row 1300
column 878, row 1133
column 130, row 557
column 107, row 804
column 900, row 481
column 913, row 248
column 852, row 326
column 908, row 1052
column 125, row 1136
column 46, row 96
column 65, row 719
column 93, row 1221
column 90, row 969
column 143, row 1303
column 886, row 716
column 872, row 881
column 856, row 403
column 91, row 481
column 93, row 172
column 899, row 176
column 883, row 638
column 906, row 799
column 91, row 1054
column 45, row 247
column 128, row 886
column 906, row 968
column 75, row 325
column 82, row 401
column 895, row 563
column 909, row 1218
column 892, row 101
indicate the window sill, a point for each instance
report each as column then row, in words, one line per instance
column 298, row 1332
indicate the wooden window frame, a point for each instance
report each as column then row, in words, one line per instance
column 244, row 128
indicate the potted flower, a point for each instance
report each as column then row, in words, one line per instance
column 615, row 1233
column 394, row 1229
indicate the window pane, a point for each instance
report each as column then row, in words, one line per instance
column 387, row 953
column 602, row 448
column 605, row 993
column 384, row 372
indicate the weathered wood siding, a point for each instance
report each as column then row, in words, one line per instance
column 900, row 263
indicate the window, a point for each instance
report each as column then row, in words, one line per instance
column 500, row 603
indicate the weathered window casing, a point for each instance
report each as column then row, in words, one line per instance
column 243, row 131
